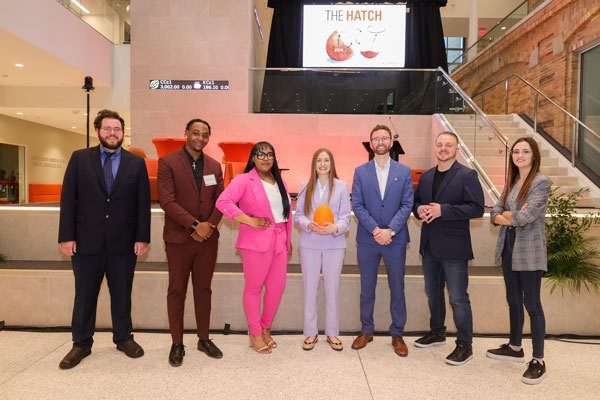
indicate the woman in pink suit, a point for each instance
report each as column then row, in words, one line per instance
column 322, row 248
column 259, row 201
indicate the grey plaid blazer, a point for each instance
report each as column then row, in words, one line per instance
column 529, row 252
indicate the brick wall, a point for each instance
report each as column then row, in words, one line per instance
column 545, row 51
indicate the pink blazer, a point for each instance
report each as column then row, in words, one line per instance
column 246, row 194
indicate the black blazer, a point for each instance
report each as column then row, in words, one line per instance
column 89, row 216
column 461, row 199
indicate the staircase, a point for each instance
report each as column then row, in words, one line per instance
column 490, row 154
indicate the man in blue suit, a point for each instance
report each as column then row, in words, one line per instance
column 382, row 198
column 447, row 197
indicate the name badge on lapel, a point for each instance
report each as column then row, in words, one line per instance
column 210, row 180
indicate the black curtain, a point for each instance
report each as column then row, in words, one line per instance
column 285, row 40
column 424, row 35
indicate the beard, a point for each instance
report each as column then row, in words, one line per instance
column 111, row 146
column 381, row 150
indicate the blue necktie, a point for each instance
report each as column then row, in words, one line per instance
column 108, row 174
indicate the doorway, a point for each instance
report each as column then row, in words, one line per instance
column 12, row 174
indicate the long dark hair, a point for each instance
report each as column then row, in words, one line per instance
column 310, row 188
column 513, row 171
column 261, row 146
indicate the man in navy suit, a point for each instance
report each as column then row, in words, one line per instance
column 382, row 198
column 447, row 197
column 104, row 227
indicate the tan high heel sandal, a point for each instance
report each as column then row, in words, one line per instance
column 266, row 335
column 262, row 350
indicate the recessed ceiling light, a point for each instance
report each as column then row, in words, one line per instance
column 73, row 127
column 19, row 65
column 82, row 8
column 19, row 113
column 503, row 28
column 84, row 113
column 127, row 129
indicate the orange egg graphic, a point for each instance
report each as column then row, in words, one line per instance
column 337, row 49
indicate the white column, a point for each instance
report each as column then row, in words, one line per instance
column 473, row 23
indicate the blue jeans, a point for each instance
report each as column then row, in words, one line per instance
column 523, row 288
column 454, row 274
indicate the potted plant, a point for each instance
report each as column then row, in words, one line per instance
column 573, row 254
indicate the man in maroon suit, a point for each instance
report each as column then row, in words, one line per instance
column 189, row 183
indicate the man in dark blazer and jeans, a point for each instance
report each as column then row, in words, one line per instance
column 104, row 227
column 189, row 183
column 448, row 196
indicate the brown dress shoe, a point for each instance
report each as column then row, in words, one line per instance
column 361, row 341
column 130, row 348
column 399, row 346
column 74, row 357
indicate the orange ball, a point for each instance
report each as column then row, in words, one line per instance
column 323, row 214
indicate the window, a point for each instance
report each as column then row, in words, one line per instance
column 455, row 47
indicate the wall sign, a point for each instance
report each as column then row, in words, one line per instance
column 168, row 84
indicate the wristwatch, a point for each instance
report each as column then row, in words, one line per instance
column 393, row 233
column 195, row 224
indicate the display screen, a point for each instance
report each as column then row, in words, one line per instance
column 199, row 84
column 354, row 36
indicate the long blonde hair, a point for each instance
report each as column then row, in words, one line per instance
column 513, row 171
column 310, row 188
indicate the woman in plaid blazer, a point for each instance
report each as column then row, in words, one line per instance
column 522, row 249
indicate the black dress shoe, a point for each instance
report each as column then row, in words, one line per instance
column 74, row 357
column 208, row 347
column 176, row 354
column 130, row 348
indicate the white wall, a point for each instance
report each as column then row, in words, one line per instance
column 47, row 149
column 54, row 29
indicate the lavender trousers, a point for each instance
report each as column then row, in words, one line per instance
column 313, row 262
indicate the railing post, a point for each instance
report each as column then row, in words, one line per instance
column 575, row 142
column 506, row 96
column 535, row 111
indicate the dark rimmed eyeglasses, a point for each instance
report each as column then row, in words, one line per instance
column 265, row 156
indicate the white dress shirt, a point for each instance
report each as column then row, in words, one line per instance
column 382, row 175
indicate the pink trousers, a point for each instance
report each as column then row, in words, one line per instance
column 266, row 269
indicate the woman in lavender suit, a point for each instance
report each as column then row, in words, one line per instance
column 322, row 248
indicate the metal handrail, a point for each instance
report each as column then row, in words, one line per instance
column 503, row 139
column 474, row 106
column 538, row 92
column 335, row 69
column 474, row 163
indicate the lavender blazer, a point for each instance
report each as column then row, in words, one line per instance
column 339, row 204
column 246, row 194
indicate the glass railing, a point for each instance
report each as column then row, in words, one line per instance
column 111, row 18
column 343, row 91
column 385, row 91
column 485, row 146
column 493, row 35
column 545, row 115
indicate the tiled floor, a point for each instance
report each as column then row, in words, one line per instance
column 29, row 370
